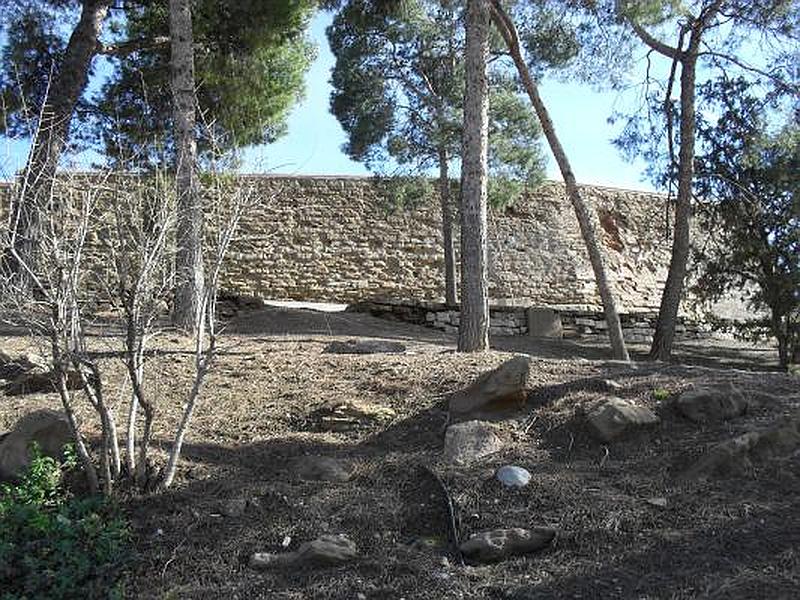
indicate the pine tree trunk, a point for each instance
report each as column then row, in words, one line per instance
column 473, row 330
column 450, row 295
column 65, row 89
column 664, row 335
column 189, row 238
column 582, row 214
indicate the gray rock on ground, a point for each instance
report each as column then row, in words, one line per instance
column 12, row 367
column 325, row 551
column 47, row 428
column 470, row 441
column 497, row 393
column 712, row 404
column 321, row 468
column 734, row 457
column 500, row 544
column 365, row 347
column 615, row 417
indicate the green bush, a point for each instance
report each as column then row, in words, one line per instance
column 54, row 545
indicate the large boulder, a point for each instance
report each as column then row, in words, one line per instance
column 499, row 544
column 470, row 441
column 494, row 394
column 712, row 404
column 326, row 550
column 49, row 429
column 615, row 417
column 365, row 347
column 12, row 367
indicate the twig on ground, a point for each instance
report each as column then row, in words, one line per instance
column 451, row 513
column 530, row 423
column 605, row 456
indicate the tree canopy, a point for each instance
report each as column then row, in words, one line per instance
column 399, row 86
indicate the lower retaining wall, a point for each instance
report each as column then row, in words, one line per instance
column 535, row 321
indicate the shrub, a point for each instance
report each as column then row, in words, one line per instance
column 55, row 545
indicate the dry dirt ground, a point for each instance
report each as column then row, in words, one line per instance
column 724, row 538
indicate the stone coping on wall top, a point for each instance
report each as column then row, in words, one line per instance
column 366, row 178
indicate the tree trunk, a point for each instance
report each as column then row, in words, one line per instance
column 673, row 288
column 65, row 89
column 450, row 295
column 509, row 33
column 473, row 330
column 189, row 238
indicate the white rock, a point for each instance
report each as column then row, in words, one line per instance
column 513, row 476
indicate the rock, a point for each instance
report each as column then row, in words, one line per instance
column 544, row 322
column 346, row 416
column 467, row 442
column 494, row 394
column 712, row 404
column 321, row 468
column 12, row 368
column 499, row 544
column 326, row 550
column 614, row 417
column 365, row 347
column 38, row 381
column 735, row 457
column 658, row 501
column 513, row 476
column 47, row 428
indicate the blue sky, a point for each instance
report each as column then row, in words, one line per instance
column 313, row 143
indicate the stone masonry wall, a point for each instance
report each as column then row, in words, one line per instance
column 340, row 239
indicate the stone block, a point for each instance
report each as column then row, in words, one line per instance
column 544, row 322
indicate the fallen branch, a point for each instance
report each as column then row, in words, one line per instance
column 451, row 513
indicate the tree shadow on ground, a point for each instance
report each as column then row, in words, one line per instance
column 754, row 557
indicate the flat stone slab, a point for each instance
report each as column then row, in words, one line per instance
column 499, row 544
column 347, row 416
column 502, row 390
column 365, row 347
column 615, row 417
column 326, row 550
column 470, row 441
column 712, row 404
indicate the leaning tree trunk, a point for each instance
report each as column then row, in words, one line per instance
column 189, row 237
column 445, row 198
column 65, row 89
column 473, row 330
column 673, row 288
column 509, row 33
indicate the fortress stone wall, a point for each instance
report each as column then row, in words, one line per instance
column 341, row 239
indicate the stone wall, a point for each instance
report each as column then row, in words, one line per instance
column 637, row 327
column 340, row 239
